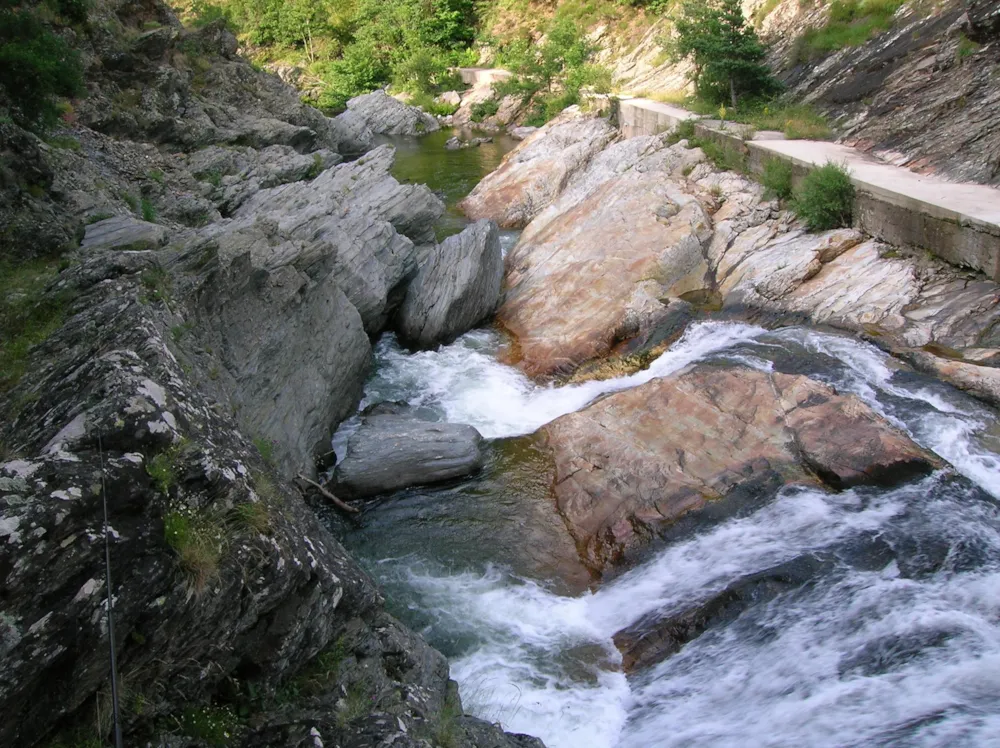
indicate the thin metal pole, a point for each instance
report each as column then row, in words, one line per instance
column 111, row 604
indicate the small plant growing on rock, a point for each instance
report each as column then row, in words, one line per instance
column 266, row 449
column 253, row 517
column 777, row 179
column 826, row 198
column 148, row 211
column 199, row 540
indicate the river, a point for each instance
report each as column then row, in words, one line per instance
column 890, row 638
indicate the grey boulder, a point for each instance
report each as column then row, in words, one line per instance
column 385, row 115
column 124, row 233
column 457, row 286
column 391, row 451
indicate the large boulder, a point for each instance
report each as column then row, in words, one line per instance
column 533, row 174
column 354, row 221
column 394, row 450
column 293, row 286
column 385, row 115
column 601, row 264
column 123, row 233
column 632, row 463
column 457, row 286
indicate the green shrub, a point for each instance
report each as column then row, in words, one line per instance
column 36, row 67
column 825, row 200
column 483, row 109
column 426, row 102
column 148, row 210
column 777, row 178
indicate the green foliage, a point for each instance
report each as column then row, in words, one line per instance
column 148, row 210
column 157, row 282
column 213, row 726
column 728, row 57
column 483, row 109
column 851, row 23
column 65, row 142
column 764, row 11
column 966, row 47
column 683, row 131
column 156, row 175
column 777, row 178
column 266, row 449
column 199, row 541
column 825, row 200
column 253, row 516
column 429, row 104
column 725, row 157
column 36, row 65
column 28, row 314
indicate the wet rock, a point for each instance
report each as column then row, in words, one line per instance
column 455, row 143
column 534, row 173
column 657, row 636
column 629, row 465
column 389, row 452
column 124, row 234
column 456, row 287
column 599, row 266
column 385, row 115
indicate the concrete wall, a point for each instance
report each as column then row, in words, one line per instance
column 644, row 117
column 476, row 76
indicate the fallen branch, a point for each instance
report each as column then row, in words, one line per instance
column 343, row 506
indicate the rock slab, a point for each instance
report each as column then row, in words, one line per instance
column 457, row 286
column 391, row 451
column 385, row 115
column 630, row 464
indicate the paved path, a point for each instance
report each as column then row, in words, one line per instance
column 975, row 203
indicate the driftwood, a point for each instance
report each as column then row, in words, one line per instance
column 343, row 506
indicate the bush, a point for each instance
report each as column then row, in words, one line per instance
column 777, row 178
column 826, row 198
column 426, row 102
column 483, row 109
column 36, row 67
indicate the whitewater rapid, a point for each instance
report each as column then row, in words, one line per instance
column 899, row 645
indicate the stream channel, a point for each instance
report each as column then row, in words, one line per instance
column 892, row 639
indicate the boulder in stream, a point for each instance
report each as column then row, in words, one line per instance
column 392, row 450
column 457, row 286
column 532, row 175
column 385, row 115
column 629, row 465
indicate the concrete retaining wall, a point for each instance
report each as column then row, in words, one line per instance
column 645, row 117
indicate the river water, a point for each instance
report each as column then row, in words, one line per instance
column 893, row 639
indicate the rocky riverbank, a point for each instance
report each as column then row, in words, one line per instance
column 210, row 271
column 624, row 243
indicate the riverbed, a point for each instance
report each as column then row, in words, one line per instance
column 891, row 636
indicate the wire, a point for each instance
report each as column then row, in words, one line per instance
column 111, row 605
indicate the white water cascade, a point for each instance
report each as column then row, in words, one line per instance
column 894, row 642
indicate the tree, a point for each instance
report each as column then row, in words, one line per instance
column 728, row 57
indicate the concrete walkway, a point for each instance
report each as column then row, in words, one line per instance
column 973, row 203
column 959, row 222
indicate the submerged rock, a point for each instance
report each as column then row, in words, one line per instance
column 385, row 115
column 532, row 175
column 457, row 286
column 630, row 464
column 391, row 451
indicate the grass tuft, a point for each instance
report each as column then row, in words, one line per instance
column 777, row 179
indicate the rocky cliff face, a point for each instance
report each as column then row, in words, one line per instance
column 191, row 362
